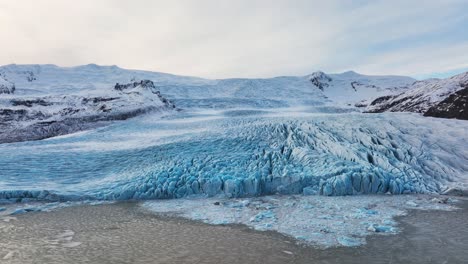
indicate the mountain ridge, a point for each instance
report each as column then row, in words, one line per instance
column 40, row 101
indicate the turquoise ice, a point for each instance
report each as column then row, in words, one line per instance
column 240, row 154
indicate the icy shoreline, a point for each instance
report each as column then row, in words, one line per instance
column 313, row 220
column 128, row 232
column 318, row 221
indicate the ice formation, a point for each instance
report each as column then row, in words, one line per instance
column 315, row 220
column 226, row 145
column 285, row 135
column 260, row 154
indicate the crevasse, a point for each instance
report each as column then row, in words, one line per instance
column 249, row 156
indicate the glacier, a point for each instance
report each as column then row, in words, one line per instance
column 293, row 154
column 241, row 153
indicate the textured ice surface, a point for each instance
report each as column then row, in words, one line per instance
column 317, row 220
column 241, row 154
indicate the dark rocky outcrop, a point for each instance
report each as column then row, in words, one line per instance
column 320, row 80
column 145, row 84
column 447, row 98
column 96, row 100
column 388, row 104
column 454, row 106
column 30, row 102
column 381, row 99
column 18, row 115
column 44, row 117
column 142, row 83
column 6, row 87
column 357, row 84
column 66, row 125
column 360, row 104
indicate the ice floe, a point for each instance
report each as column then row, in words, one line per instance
column 316, row 220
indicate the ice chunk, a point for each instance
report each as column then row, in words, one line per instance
column 71, row 244
column 318, row 220
column 349, row 241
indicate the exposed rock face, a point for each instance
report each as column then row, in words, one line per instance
column 6, row 87
column 42, row 129
column 393, row 103
column 147, row 85
column 143, row 83
column 320, row 79
column 455, row 106
column 30, row 76
column 355, row 85
column 9, row 115
column 360, row 104
column 24, row 119
column 30, row 103
column 433, row 97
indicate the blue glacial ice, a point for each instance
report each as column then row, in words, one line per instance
column 240, row 154
column 316, row 220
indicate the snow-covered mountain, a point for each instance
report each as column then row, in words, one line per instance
column 40, row 101
column 50, row 79
column 31, row 118
column 317, row 88
column 357, row 89
column 454, row 106
column 346, row 89
column 424, row 95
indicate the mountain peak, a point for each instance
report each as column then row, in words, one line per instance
column 350, row 73
column 320, row 79
column 318, row 74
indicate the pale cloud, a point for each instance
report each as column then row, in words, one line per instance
column 419, row 61
column 216, row 39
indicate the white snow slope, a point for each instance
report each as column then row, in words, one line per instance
column 421, row 95
column 345, row 88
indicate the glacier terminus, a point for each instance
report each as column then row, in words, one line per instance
column 97, row 134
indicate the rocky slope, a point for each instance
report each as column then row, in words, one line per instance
column 454, row 106
column 6, row 87
column 353, row 89
column 33, row 118
column 432, row 97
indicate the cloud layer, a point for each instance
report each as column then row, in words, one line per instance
column 218, row 39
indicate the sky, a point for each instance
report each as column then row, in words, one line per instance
column 240, row 38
